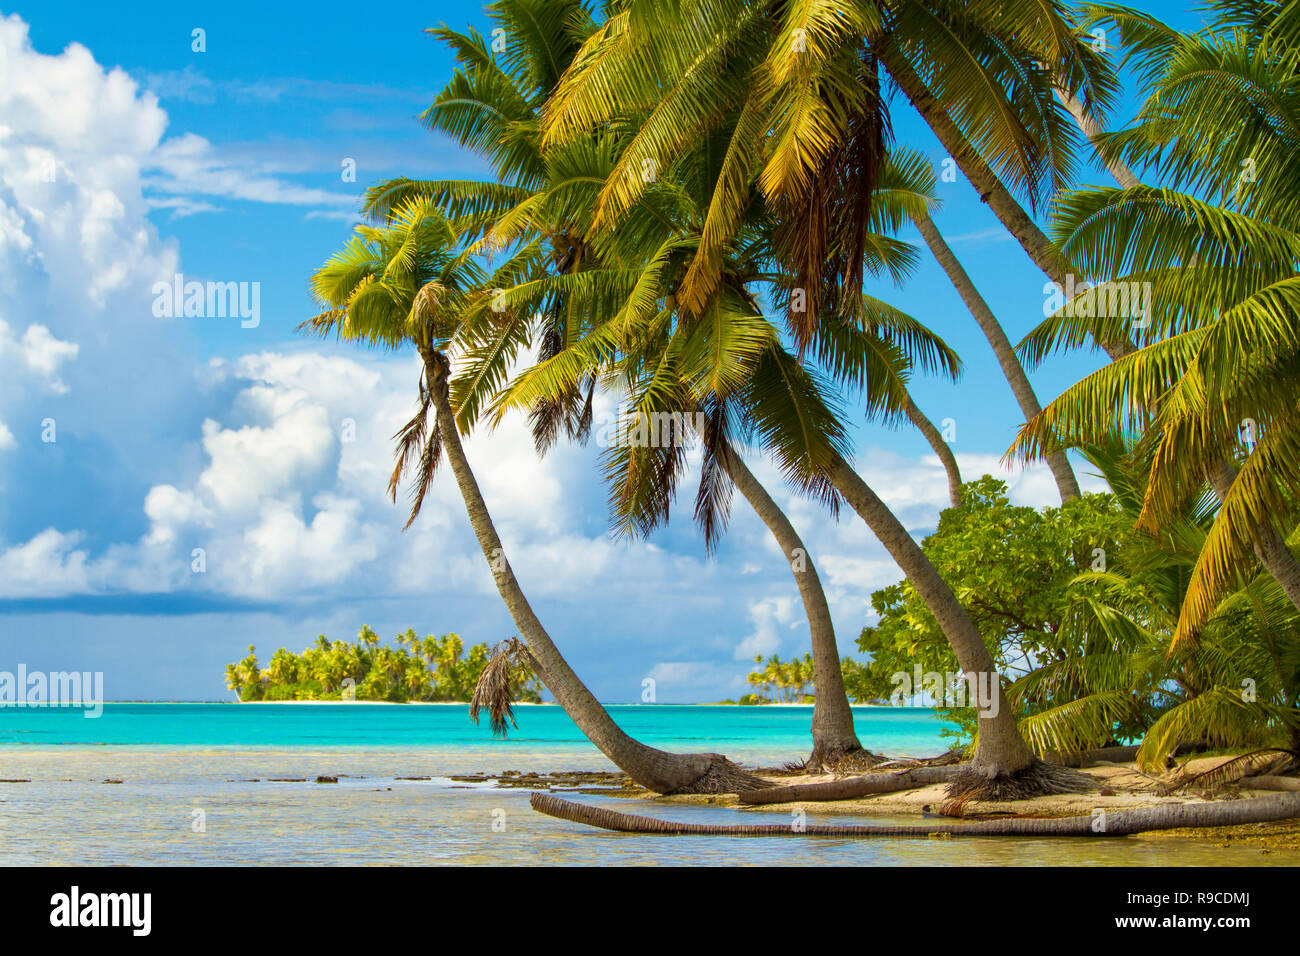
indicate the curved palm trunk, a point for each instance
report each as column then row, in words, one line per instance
column 946, row 457
column 1114, row 823
column 1066, row 483
column 832, row 724
column 991, row 191
column 654, row 769
column 1001, row 751
column 1092, row 129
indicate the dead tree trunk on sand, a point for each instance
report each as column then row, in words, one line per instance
column 1109, row 824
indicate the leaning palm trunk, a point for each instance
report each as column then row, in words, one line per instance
column 935, row 438
column 1092, row 129
column 991, row 191
column 1066, row 483
column 1113, row 823
column 833, row 735
column 1003, row 766
column 654, row 769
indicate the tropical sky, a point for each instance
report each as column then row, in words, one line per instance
column 173, row 489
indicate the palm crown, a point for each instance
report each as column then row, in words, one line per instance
column 1215, row 382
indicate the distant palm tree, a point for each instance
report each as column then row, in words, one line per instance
column 245, row 677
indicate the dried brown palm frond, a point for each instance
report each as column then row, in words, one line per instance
column 410, row 439
column 572, row 407
column 427, row 308
column 416, row 441
column 713, row 499
column 544, row 420
column 1265, row 761
column 572, row 410
column 824, row 223
column 547, row 414
column 495, row 689
column 581, row 415
column 429, row 458
column 853, row 762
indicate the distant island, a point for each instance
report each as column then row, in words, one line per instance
column 433, row 669
column 439, row 670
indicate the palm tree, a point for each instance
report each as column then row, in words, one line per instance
column 795, row 93
column 791, row 679
column 493, row 108
column 730, row 358
column 282, row 668
column 407, row 283
column 809, row 132
column 1220, row 347
column 642, row 338
column 824, row 164
column 368, row 639
column 244, row 677
column 834, row 738
column 941, row 449
column 761, row 679
column 1236, row 688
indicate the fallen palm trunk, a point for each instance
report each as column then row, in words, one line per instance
column 1264, row 782
column 852, row 787
column 1100, row 823
column 1269, row 762
column 1118, row 754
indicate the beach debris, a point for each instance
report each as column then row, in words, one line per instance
column 852, row 787
column 495, row 688
column 1264, row 762
column 324, row 779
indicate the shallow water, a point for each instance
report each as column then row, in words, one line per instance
column 66, row 814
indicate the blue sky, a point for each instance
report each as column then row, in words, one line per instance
column 172, row 434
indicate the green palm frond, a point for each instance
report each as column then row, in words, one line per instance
column 1219, row 716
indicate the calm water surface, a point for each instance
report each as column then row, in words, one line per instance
column 175, row 759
